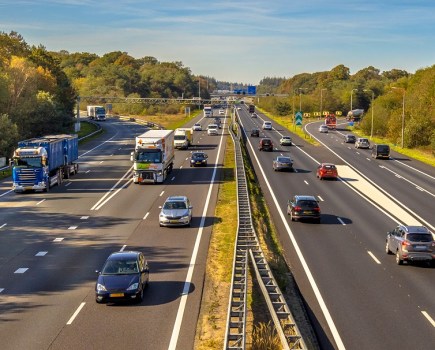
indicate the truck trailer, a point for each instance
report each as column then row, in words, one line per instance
column 40, row 163
column 153, row 156
column 96, row 113
column 331, row 121
column 208, row 111
column 183, row 138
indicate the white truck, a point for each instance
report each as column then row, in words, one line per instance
column 183, row 138
column 208, row 111
column 96, row 112
column 153, row 156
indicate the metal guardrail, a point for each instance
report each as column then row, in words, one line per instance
column 247, row 246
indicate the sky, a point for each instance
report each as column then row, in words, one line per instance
column 236, row 41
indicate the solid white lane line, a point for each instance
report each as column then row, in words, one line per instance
column 3, row 225
column 71, row 320
column 187, row 283
column 341, row 221
column 146, row 215
column 374, row 257
column 43, row 200
column 21, row 270
column 41, row 254
column 430, row 319
column 4, row 194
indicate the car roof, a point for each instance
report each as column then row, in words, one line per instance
column 176, row 199
column 286, row 137
column 415, row 229
column 283, row 157
column 124, row 255
column 327, row 164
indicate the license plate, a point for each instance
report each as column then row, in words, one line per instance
column 198, row 162
column 173, row 221
column 308, row 212
column 116, row 295
column 420, row 247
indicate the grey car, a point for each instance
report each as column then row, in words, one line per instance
column 411, row 243
column 282, row 163
column 304, row 207
column 362, row 143
column 176, row 211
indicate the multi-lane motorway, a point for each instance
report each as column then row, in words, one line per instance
column 356, row 296
column 52, row 243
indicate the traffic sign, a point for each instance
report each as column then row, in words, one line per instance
column 298, row 118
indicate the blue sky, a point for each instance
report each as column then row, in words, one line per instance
column 237, row 41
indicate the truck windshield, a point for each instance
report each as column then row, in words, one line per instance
column 149, row 156
column 29, row 161
column 179, row 137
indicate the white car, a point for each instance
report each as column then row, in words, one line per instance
column 213, row 129
column 286, row 141
column 267, row 125
column 176, row 211
column 221, row 112
column 323, row 128
column 197, row 127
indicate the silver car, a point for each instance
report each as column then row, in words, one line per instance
column 411, row 243
column 323, row 128
column 282, row 163
column 176, row 211
column 362, row 143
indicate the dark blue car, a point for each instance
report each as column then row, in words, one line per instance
column 124, row 276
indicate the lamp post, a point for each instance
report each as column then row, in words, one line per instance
column 300, row 98
column 373, row 107
column 403, row 112
column 351, row 98
column 321, row 102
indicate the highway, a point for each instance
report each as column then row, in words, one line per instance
column 52, row 243
column 356, row 295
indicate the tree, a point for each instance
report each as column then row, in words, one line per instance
column 9, row 132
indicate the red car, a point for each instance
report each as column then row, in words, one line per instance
column 327, row 170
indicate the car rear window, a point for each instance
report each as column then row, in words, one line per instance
column 266, row 142
column 310, row 204
column 383, row 148
column 329, row 167
column 419, row 237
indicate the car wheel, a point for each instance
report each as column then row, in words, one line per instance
column 387, row 250
column 98, row 301
column 399, row 261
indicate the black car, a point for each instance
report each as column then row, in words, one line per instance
column 303, row 207
column 349, row 138
column 255, row 133
column 123, row 277
column 198, row 159
column 381, row 151
column 265, row 144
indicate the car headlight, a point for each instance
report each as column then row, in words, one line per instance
column 186, row 217
column 134, row 286
column 101, row 288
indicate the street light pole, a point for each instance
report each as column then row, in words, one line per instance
column 300, row 98
column 373, row 107
column 321, row 102
column 403, row 112
column 351, row 99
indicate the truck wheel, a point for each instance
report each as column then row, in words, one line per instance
column 66, row 173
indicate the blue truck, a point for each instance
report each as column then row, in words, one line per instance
column 40, row 163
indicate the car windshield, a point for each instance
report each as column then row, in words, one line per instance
column 419, row 237
column 175, row 205
column 306, row 203
column 329, row 167
column 198, row 155
column 120, row 267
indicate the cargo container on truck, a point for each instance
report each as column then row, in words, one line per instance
column 355, row 115
column 331, row 121
column 183, row 138
column 39, row 163
column 208, row 111
column 153, row 157
column 96, row 112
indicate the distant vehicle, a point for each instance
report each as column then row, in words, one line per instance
column 349, row 138
column 218, row 122
column 265, row 144
column 124, row 276
column 286, row 141
column 267, row 125
column 381, row 151
column 331, row 121
column 323, row 128
column 212, row 129
column 411, row 243
column 254, row 115
column 327, row 171
column 208, row 111
column 303, row 207
column 239, row 108
column 197, row 127
column 251, row 108
column 198, row 159
column 96, row 112
column 176, row 211
column 282, row 163
column 362, row 143
column 355, row 115
column 221, row 112
column 255, row 132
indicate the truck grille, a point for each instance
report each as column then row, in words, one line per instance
column 27, row 177
column 148, row 175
